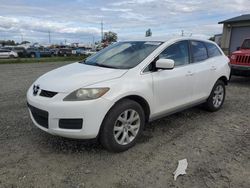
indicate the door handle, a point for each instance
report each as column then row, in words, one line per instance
column 213, row 68
column 189, row 73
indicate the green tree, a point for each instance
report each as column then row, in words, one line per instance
column 110, row 37
column 148, row 33
column 25, row 42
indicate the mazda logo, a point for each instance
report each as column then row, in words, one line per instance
column 35, row 89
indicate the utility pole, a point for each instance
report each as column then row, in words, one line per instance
column 49, row 37
column 182, row 33
column 101, row 30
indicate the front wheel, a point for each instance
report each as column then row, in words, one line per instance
column 122, row 126
column 217, row 97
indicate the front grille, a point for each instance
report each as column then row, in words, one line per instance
column 243, row 59
column 40, row 116
column 49, row 94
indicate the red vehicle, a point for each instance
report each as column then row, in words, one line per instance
column 240, row 60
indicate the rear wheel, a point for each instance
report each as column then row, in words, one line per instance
column 12, row 56
column 122, row 126
column 217, row 97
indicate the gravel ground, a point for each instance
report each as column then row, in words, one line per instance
column 216, row 145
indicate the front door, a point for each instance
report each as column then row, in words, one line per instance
column 174, row 88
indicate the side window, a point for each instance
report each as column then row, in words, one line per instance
column 199, row 51
column 212, row 50
column 179, row 52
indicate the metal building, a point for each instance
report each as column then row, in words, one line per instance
column 235, row 30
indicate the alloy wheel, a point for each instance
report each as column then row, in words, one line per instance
column 218, row 96
column 127, row 127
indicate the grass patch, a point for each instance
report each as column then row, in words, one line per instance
column 42, row 60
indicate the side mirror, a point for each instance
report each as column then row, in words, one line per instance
column 238, row 48
column 164, row 64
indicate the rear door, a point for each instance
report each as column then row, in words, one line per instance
column 216, row 63
column 201, row 66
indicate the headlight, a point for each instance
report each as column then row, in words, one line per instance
column 233, row 57
column 86, row 94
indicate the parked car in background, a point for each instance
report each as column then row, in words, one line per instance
column 54, row 51
column 112, row 94
column 5, row 53
column 41, row 52
column 65, row 52
column 45, row 52
column 31, row 52
column 89, row 52
column 240, row 60
column 78, row 51
column 21, row 51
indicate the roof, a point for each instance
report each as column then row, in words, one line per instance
column 242, row 18
column 164, row 39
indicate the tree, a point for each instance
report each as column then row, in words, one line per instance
column 8, row 43
column 109, row 37
column 25, row 42
column 148, row 33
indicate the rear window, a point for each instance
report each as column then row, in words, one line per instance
column 199, row 51
column 212, row 50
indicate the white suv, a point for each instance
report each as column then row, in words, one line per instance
column 7, row 54
column 112, row 94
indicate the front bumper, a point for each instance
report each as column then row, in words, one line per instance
column 240, row 70
column 91, row 112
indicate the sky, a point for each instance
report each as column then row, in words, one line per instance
column 80, row 20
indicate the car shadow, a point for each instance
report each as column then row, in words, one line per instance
column 169, row 125
column 240, row 81
column 56, row 144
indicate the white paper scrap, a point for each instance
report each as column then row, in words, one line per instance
column 181, row 169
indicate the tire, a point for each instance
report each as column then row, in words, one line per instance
column 217, row 97
column 12, row 56
column 230, row 76
column 114, row 124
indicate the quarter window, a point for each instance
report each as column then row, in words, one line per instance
column 199, row 51
column 179, row 52
column 212, row 50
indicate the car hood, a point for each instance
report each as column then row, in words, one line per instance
column 242, row 52
column 74, row 76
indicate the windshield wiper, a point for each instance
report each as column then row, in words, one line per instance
column 106, row 66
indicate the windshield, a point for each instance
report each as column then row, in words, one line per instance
column 122, row 55
column 246, row 44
